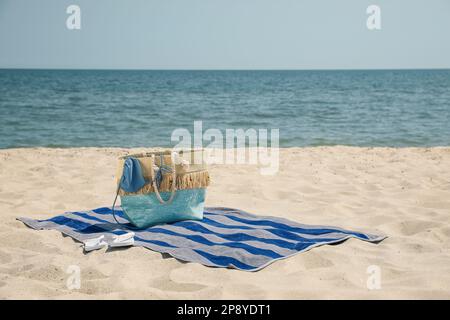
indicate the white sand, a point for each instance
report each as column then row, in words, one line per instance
column 403, row 193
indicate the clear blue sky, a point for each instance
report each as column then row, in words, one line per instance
column 225, row 34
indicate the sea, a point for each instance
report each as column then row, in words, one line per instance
column 142, row 108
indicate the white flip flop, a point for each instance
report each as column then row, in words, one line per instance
column 123, row 240
column 95, row 244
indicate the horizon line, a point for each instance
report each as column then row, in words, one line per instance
column 193, row 69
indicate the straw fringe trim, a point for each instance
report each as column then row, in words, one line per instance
column 190, row 180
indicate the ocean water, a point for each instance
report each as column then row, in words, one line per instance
column 72, row 108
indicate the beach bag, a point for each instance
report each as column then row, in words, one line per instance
column 162, row 187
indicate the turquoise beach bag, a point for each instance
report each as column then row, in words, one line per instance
column 162, row 187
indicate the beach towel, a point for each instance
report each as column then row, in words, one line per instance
column 228, row 238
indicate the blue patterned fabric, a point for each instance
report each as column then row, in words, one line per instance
column 225, row 237
column 132, row 179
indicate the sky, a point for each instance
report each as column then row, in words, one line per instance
column 225, row 34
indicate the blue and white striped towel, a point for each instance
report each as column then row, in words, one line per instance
column 226, row 237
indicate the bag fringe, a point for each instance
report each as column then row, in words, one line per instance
column 188, row 180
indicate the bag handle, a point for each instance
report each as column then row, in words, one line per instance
column 174, row 180
column 114, row 213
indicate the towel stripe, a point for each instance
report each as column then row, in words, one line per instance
column 282, row 226
column 239, row 236
column 204, row 241
column 224, row 261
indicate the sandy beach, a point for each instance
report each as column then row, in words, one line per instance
column 403, row 193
